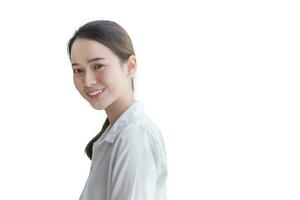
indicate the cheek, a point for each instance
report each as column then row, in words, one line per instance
column 118, row 84
column 106, row 78
column 77, row 83
column 101, row 78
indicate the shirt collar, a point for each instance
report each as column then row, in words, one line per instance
column 134, row 110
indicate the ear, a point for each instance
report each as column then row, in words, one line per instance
column 131, row 66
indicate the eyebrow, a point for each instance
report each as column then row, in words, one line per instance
column 91, row 60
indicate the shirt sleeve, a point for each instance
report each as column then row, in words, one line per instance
column 134, row 166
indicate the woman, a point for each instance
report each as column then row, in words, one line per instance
column 128, row 156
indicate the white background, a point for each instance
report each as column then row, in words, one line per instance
column 219, row 78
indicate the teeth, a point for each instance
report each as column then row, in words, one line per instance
column 95, row 92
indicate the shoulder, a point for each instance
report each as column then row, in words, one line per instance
column 140, row 129
column 141, row 135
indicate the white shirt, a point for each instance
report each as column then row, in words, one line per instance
column 129, row 160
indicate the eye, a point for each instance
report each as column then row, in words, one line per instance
column 97, row 66
column 76, row 71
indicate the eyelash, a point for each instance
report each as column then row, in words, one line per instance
column 74, row 71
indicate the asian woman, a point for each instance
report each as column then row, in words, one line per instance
column 128, row 156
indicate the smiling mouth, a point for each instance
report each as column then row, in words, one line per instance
column 96, row 93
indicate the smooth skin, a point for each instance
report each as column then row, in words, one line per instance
column 107, row 72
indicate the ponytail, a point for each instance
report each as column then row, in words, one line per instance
column 89, row 146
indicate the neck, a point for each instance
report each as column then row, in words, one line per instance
column 115, row 110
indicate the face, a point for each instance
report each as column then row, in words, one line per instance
column 98, row 74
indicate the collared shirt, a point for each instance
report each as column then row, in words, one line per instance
column 129, row 160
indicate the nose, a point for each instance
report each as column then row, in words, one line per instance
column 89, row 79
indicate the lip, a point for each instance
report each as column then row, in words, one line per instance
column 97, row 95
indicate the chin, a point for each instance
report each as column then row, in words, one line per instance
column 97, row 107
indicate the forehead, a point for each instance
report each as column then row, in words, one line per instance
column 85, row 49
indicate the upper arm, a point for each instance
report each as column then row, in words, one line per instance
column 134, row 163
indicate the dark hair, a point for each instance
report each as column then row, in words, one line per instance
column 113, row 36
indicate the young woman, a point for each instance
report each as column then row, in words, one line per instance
column 128, row 156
